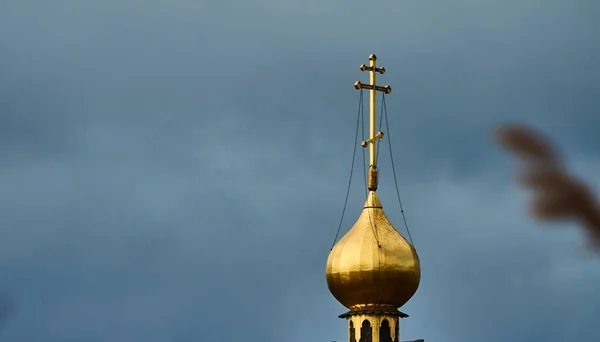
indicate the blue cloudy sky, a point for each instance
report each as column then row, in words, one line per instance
column 175, row 170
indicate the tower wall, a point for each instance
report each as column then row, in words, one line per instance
column 358, row 328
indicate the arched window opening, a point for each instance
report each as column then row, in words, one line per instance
column 385, row 332
column 366, row 332
column 352, row 332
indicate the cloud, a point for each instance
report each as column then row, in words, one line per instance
column 176, row 170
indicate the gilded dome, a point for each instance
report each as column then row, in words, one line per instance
column 373, row 265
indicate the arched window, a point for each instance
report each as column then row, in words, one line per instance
column 366, row 332
column 397, row 328
column 352, row 332
column 385, row 333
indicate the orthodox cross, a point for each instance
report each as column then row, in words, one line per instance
column 373, row 136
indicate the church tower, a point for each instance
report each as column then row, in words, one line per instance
column 373, row 270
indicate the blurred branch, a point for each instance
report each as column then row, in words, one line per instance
column 557, row 194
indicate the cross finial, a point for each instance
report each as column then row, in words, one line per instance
column 373, row 136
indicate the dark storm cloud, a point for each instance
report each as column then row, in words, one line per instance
column 175, row 170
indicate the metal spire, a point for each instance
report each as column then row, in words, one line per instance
column 373, row 136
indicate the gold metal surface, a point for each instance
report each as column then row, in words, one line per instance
column 372, row 111
column 386, row 89
column 372, row 179
column 373, row 265
column 367, row 142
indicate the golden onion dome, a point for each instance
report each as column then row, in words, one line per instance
column 373, row 266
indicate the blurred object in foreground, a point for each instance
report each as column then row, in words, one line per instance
column 558, row 195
